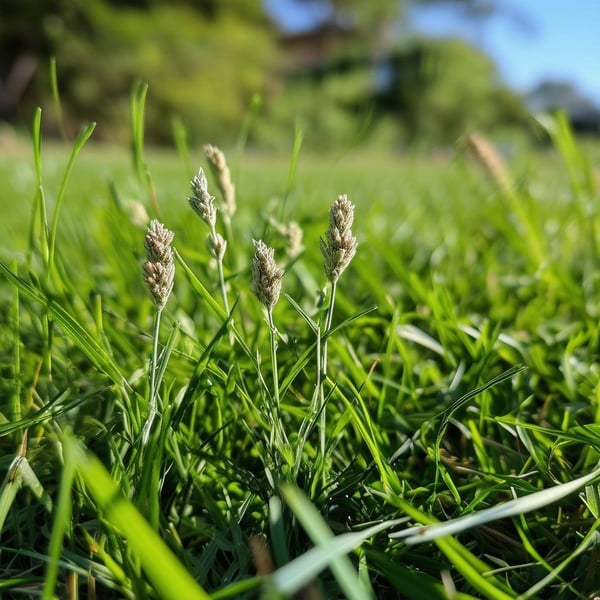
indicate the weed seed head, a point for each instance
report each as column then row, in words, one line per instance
column 137, row 214
column 159, row 268
column 339, row 247
column 218, row 164
column 491, row 161
column 266, row 276
column 293, row 238
column 201, row 201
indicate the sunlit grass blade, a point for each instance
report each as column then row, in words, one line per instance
column 60, row 527
column 330, row 551
column 524, row 504
column 20, row 474
column 291, row 179
column 580, row 172
column 368, row 432
column 181, row 144
column 38, row 227
column 82, row 138
column 475, row 571
column 170, row 579
column 138, row 107
column 56, row 98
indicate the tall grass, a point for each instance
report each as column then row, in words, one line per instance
column 225, row 445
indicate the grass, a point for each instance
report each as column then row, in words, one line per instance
column 461, row 382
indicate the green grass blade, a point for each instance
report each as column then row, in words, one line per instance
column 56, row 98
column 70, row 326
column 170, row 579
column 138, row 107
column 368, row 432
column 291, row 179
column 198, row 286
column 475, row 571
column 181, row 144
column 138, row 104
column 519, row 506
column 331, row 551
column 20, row 474
column 466, row 398
column 82, row 138
column 62, row 519
column 15, row 409
column 39, row 207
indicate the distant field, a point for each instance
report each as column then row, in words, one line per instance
column 461, row 370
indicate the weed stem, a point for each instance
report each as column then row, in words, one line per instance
column 153, row 368
column 323, row 371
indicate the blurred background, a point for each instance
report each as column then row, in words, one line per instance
column 389, row 74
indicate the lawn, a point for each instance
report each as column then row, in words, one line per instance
column 196, row 443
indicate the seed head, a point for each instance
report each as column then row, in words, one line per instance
column 159, row 268
column 293, row 237
column 137, row 214
column 218, row 164
column 339, row 247
column 266, row 276
column 491, row 161
column 201, row 201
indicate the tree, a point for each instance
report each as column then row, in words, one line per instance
column 441, row 89
column 202, row 59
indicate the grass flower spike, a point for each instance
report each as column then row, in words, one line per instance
column 159, row 273
column 491, row 161
column 338, row 249
column 340, row 245
column 203, row 205
column 217, row 161
column 201, row 201
column 266, row 276
column 266, row 285
column 293, row 237
column 159, row 268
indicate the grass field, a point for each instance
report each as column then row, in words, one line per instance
column 191, row 453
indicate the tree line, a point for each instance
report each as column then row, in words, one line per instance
column 212, row 65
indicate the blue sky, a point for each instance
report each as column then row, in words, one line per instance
column 529, row 41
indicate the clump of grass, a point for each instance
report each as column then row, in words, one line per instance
column 417, row 410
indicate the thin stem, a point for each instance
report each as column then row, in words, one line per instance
column 307, row 422
column 219, row 257
column 213, row 235
column 153, row 369
column 328, row 321
column 323, row 375
column 276, row 408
